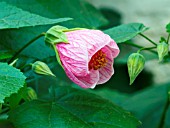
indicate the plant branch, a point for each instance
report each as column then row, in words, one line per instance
column 25, row 46
column 148, row 39
column 162, row 121
column 149, row 48
column 141, row 47
column 168, row 38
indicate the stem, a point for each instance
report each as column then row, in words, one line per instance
column 161, row 124
column 148, row 39
column 149, row 48
column 27, row 65
column 25, row 46
column 168, row 38
column 141, row 47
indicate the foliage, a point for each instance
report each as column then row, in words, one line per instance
column 30, row 100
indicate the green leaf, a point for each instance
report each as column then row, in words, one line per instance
column 151, row 108
column 72, row 108
column 15, row 98
column 13, row 17
column 5, row 54
column 168, row 28
column 11, row 80
column 84, row 15
column 125, row 32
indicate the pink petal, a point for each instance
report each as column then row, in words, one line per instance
column 75, row 54
column 88, row 81
column 95, row 40
column 107, row 71
column 113, row 47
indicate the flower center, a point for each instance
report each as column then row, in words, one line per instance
column 98, row 60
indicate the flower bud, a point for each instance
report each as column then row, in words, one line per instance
column 41, row 68
column 31, row 94
column 135, row 64
column 162, row 50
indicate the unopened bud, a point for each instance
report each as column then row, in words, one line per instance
column 31, row 94
column 135, row 64
column 162, row 50
column 41, row 68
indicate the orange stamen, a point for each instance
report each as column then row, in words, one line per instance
column 98, row 60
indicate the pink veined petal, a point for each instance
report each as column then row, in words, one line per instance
column 107, row 71
column 113, row 46
column 88, row 81
column 95, row 40
column 75, row 54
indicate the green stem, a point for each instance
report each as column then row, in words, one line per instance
column 141, row 47
column 25, row 46
column 168, row 38
column 148, row 39
column 149, row 48
column 27, row 65
column 161, row 124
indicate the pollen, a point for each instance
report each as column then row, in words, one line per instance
column 98, row 60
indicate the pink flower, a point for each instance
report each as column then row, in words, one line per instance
column 88, row 58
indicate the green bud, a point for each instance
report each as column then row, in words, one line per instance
column 31, row 94
column 135, row 64
column 162, row 49
column 41, row 68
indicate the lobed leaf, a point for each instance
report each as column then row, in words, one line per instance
column 72, row 108
column 11, row 80
column 13, row 17
column 125, row 32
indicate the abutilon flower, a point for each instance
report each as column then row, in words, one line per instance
column 88, row 57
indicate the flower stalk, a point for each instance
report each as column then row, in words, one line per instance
column 25, row 46
column 148, row 39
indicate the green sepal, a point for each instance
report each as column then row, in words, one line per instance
column 162, row 49
column 135, row 64
column 57, row 56
column 56, row 35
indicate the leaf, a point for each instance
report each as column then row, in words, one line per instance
column 125, row 32
column 85, row 15
column 5, row 54
column 72, row 108
column 168, row 27
column 147, row 105
column 13, row 17
column 11, row 80
column 151, row 108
